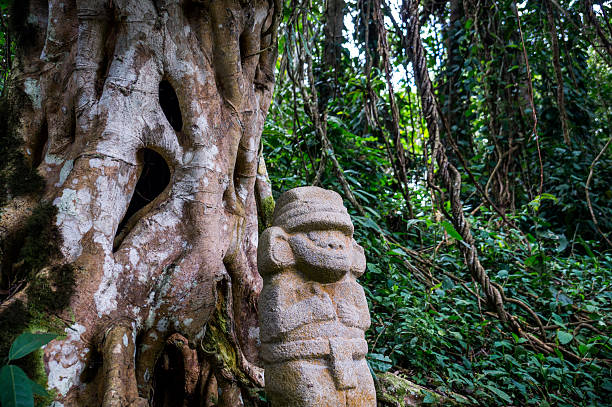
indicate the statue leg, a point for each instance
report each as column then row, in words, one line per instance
column 364, row 395
column 302, row 383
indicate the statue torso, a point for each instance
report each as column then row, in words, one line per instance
column 297, row 309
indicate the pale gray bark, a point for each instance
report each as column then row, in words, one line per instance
column 92, row 85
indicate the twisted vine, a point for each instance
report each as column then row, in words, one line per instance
column 447, row 172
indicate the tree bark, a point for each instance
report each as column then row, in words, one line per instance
column 110, row 101
column 334, row 23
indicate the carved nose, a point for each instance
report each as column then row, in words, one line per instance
column 336, row 246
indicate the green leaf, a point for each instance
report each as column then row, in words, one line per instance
column 502, row 274
column 27, row 343
column 503, row 395
column 532, row 260
column 564, row 299
column 564, row 337
column 379, row 362
column 15, row 388
column 412, row 222
column 451, row 230
column 583, row 350
column 396, row 252
column 586, row 247
column 535, row 204
column 447, row 283
column 429, row 398
column 562, row 244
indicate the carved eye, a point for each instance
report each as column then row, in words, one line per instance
column 327, row 239
column 318, row 237
column 314, row 236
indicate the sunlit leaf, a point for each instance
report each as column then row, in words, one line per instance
column 564, row 337
column 450, row 229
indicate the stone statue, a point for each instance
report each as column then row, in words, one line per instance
column 313, row 313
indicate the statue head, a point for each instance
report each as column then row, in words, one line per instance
column 312, row 233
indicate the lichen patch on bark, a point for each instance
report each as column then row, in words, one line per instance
column 89, row 105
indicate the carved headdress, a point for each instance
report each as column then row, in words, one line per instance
column 311, row 208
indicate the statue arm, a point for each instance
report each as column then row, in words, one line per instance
column 290, row 303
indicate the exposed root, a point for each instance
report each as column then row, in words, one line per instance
column 232, row 370
column 120, row 388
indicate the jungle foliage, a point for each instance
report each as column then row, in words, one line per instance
column 524, row 92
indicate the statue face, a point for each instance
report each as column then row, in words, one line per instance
column 326, row 255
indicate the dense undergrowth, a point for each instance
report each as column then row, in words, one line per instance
column 441, row 335
column 431, row 327
column 431, row 320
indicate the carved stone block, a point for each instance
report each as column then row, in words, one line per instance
column 313, row 313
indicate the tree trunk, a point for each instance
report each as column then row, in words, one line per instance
column 143, row 118
column 334, row 23
column 331, row 69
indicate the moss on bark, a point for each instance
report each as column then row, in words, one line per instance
column 32, row 257
column 393, row 390
column 217, row 343
column 17, row 177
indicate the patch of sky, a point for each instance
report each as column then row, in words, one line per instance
column 399, row 76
